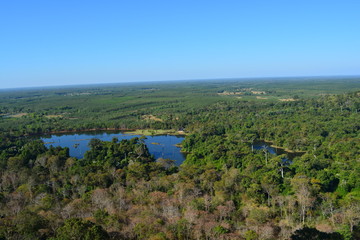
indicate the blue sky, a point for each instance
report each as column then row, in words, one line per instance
column 44, row 43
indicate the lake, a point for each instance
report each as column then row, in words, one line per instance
column 162, row 146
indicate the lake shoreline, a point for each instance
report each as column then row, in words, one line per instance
column 144, row 132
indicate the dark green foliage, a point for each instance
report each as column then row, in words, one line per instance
column 75, row 228
column 29, row 223
column 220, row 230
column 114, row 154
column 313, row 234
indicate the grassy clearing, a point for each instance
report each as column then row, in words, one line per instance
column 54, row 116
column 152, row 117
column 287, row 99
column 262, row 98
column 152, row 132
column 18, row 115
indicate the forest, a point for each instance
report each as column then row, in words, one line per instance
column 224, row 189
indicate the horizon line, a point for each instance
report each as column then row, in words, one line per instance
column 177, row 80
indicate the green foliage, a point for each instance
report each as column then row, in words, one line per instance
column 114, row 154
column 346, row 233
column 31, row 150
column 100, row 216
column 313, row 234
column 80, row 229
column 220, row 230
column 29, row 223
column 224, row 189
column 181, row 229
column 147, row 231
column 251, row 235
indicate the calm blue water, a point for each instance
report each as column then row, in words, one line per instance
column 260, row 145
column 78, row 143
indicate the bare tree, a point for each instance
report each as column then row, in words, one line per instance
column 352, row 213
column 303, row 194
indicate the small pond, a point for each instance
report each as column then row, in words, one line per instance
column 162, row 146
column 260, row 145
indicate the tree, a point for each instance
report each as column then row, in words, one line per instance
column 31, row 150
column 307, row 233
column 29, row 223
column 269, row 184
column 351, row 211
column 281, row 162
column 302, row 190
column 166, row 163
column 265, row 149
column 76, row 228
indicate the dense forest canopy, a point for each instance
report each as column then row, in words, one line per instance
column 223, row 190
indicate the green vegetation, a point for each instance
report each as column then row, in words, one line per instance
column 224, row 189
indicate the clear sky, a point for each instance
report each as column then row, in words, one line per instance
column 61, row 42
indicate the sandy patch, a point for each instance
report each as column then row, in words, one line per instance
column 152, row 117
column 324, row 227
column 258, row 92
column 53, row 116
column 151, row 132
column 19, row 115
column 287, row 100
column 263, row 98
column 226, row 93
